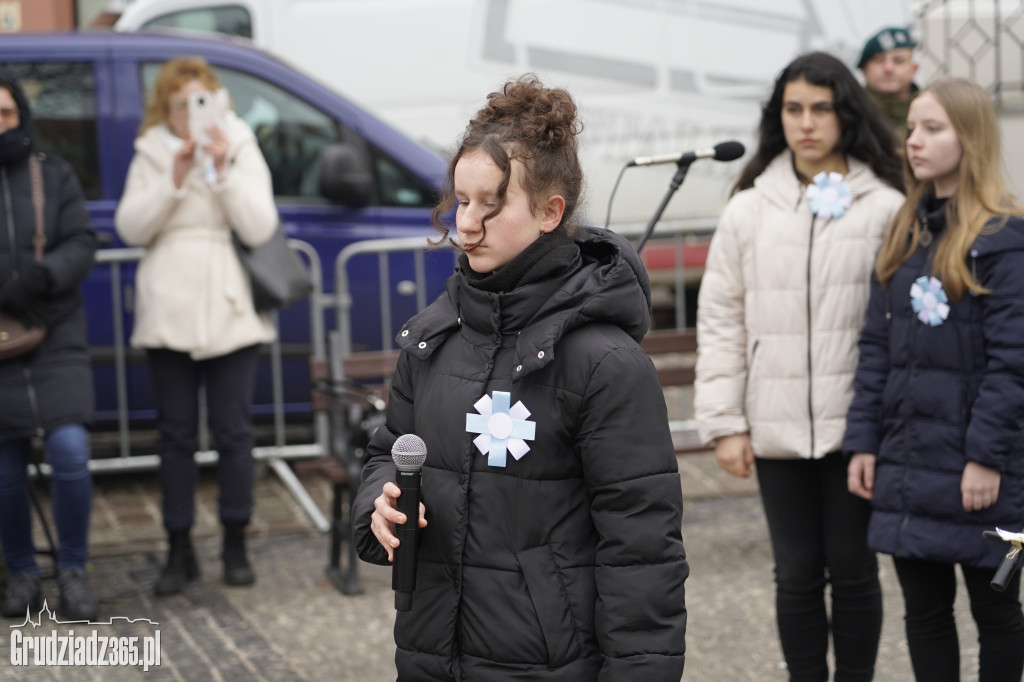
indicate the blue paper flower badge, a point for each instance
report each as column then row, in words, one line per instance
column 503, row 428
column 829, row 196
column 929, row 301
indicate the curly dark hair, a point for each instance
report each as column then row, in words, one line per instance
column 535, row 125
column 865, row 134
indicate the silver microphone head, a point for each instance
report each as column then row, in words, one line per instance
column 409, row 452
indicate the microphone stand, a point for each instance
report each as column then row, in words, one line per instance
column 682, row 167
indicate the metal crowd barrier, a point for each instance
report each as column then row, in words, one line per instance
column 666, row 249
column 673, row 237
column 275, row 455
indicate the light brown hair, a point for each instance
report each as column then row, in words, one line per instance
column 980, row 196
column 172, row 77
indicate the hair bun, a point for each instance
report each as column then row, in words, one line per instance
column 543, row 118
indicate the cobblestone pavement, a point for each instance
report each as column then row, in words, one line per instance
column 293, row 625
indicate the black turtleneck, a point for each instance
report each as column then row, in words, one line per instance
column 933, row 203
column 549, row 255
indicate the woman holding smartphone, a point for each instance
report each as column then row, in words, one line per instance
column 194, row 310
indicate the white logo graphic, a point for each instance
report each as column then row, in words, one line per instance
column 502, row 428
column 69, row 649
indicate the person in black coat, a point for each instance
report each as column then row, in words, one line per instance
column 935, row 427
column 48, row 391
column 553, row 549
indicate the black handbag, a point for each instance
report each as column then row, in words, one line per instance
column 277, row 276
column 15, row 338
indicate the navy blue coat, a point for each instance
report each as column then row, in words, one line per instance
column 928, row 399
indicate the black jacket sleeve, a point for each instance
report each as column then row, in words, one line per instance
column 631, row 470
column 379, row 468
column 864, row 418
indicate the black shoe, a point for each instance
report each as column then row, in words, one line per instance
column 181, row 565
column 237, row 570
column 76, row 602
column 23, row 595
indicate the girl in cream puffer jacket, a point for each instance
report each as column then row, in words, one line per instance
column 782, row 303
column 779, row 314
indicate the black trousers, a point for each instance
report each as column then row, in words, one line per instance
column 230, row 381
column 819, row 536
column 929, row 590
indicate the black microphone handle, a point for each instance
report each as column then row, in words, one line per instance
column 1008, row 565
column 403, row 571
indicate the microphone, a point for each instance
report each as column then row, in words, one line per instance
column 1009, row 562
column 409, row 453
column 723, row 151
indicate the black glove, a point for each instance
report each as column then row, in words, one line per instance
column 20, row 297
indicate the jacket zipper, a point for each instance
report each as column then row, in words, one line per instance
column 750, row 369
column 810, row 367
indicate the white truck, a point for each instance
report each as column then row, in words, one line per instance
column 650, row 76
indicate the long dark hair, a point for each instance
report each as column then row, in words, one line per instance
column 865, row 134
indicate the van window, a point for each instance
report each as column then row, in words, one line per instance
column 232, row 20
column 62, row 97
column 292, row 134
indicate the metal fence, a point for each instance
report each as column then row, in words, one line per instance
column 978, row 39
column 275, row 455
column 401, row 285
column 671, row 249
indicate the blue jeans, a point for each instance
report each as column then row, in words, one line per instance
column 67, row 451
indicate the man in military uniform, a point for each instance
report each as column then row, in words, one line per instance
column 887, row 62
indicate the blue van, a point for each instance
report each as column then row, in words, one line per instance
column 340, row 175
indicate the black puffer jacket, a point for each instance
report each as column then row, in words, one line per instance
column 566, row 563
column 52, row 386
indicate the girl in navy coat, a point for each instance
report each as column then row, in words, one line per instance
column 935, row 427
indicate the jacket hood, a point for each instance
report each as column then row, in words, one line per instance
column 606, row 284
column 1001, row 233
column 780, row 184
column 15, row 144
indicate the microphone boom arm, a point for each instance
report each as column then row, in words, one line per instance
column 682, row 167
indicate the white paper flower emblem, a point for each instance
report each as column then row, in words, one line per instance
column 929, row 300
column 502, row 429
column 828, row 195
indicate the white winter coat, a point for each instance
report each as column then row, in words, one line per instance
column 192, row 293
column 780, row 310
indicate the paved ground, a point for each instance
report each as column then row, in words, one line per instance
column 293, row 625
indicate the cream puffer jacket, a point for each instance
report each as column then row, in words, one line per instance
column 780, row 310
column 192, row 293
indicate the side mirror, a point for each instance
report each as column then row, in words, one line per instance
column 345, row 176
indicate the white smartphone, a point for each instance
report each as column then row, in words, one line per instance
column 206, row 109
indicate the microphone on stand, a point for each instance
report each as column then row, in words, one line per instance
column 723, row 151
column 409, row 453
